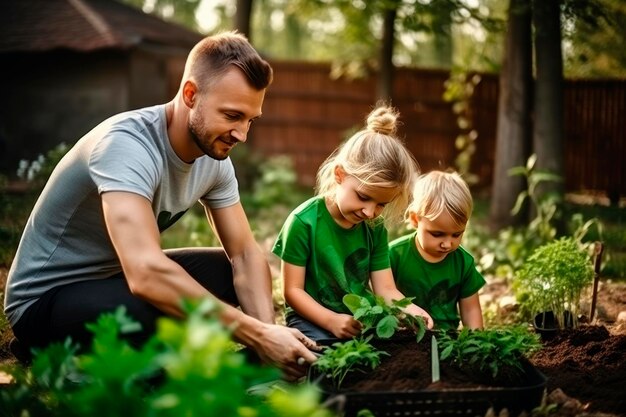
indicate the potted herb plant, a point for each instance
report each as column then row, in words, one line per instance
column 550, row 284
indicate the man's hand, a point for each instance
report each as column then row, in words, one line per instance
column 286, row 348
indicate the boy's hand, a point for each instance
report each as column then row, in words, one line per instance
column 344, row 326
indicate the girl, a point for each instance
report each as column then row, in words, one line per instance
column 336, row 242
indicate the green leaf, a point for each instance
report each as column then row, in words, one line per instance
column 387, row 327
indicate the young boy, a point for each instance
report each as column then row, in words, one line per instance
column 429, row 264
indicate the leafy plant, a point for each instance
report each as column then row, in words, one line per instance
column 342, row 357
column 190, row 368
column 554, row 277
column 489, row 350
column 376, row 316
column 385, row 319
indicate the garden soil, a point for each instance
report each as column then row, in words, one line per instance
column 585, row 370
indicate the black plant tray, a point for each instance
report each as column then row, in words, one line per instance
column 436, row 401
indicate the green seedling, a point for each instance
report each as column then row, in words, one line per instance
column 343, row 357
column 489, row 350
column 385, row 319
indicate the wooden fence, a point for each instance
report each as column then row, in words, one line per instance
column 307, row 114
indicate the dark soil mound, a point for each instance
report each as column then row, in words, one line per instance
column 588, row 364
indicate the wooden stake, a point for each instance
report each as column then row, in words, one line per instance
column 598, row 249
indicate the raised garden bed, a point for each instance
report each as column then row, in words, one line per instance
column 401, row 386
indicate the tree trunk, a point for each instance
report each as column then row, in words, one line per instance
column 242, row 17
column 548, row 107
column 385, row 79
column 513, row 128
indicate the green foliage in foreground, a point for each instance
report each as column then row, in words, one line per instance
column 190, row 368
column 489, row 350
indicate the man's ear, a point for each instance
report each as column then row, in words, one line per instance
column 189, row 93
column 340, row 174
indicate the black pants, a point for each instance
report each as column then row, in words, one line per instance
column 63, row 311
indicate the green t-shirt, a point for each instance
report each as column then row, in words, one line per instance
column 437, row 287
column 338, row 261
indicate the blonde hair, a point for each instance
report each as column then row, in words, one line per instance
column 439, row 191
column 210, row 58
column 376, row 157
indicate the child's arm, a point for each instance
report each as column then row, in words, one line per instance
column 471, row 312
column 384, row 285
column 343, row 326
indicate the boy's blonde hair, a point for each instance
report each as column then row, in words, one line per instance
column 376, row 157
column 439, row 191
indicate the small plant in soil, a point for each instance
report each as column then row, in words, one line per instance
column 343, row 357
column 489, row 351
column 385, row 319
column 553, row 279
column 377, row 316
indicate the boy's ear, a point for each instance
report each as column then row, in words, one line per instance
column 414, row 219
column 340, row 174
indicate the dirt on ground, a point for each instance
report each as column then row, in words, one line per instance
column 578, row 372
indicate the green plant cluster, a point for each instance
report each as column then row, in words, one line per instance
column 377, row 317
column 343, row 357
column 375, row 314
column 489, row 350
column 190, row 368
column 554, row 277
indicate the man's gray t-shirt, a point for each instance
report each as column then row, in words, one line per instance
column 65, row 239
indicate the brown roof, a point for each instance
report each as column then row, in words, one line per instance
column 83, row 25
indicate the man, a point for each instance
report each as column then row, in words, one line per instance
column 92, row 240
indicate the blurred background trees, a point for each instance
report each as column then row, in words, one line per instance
column 531, row 44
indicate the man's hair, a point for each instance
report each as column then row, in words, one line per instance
column 376, row 157
column 439, row 191
column 213, row 56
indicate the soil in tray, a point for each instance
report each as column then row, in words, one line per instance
column 408, row 368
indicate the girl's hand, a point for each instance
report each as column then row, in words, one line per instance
column 419, row 311
column 344, row 326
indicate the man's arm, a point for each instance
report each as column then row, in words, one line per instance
column 251, row 272
column 152, row 276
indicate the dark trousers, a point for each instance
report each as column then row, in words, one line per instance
column 63, row 311
column 310, row 330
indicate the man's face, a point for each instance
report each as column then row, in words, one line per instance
column 223, row 113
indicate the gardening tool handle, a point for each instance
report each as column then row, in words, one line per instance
column 598, row 249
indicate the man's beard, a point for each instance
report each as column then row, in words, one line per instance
column 207, row 150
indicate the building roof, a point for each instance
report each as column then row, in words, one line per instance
column 84, row 25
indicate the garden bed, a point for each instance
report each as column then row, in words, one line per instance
column 589, row 365
column 402, row 385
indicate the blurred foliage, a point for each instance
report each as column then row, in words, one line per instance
column 15, row 205
column 433, row 34
column 189, row 368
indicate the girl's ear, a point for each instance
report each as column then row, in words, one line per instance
column 414, row 219
column 340, row 174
